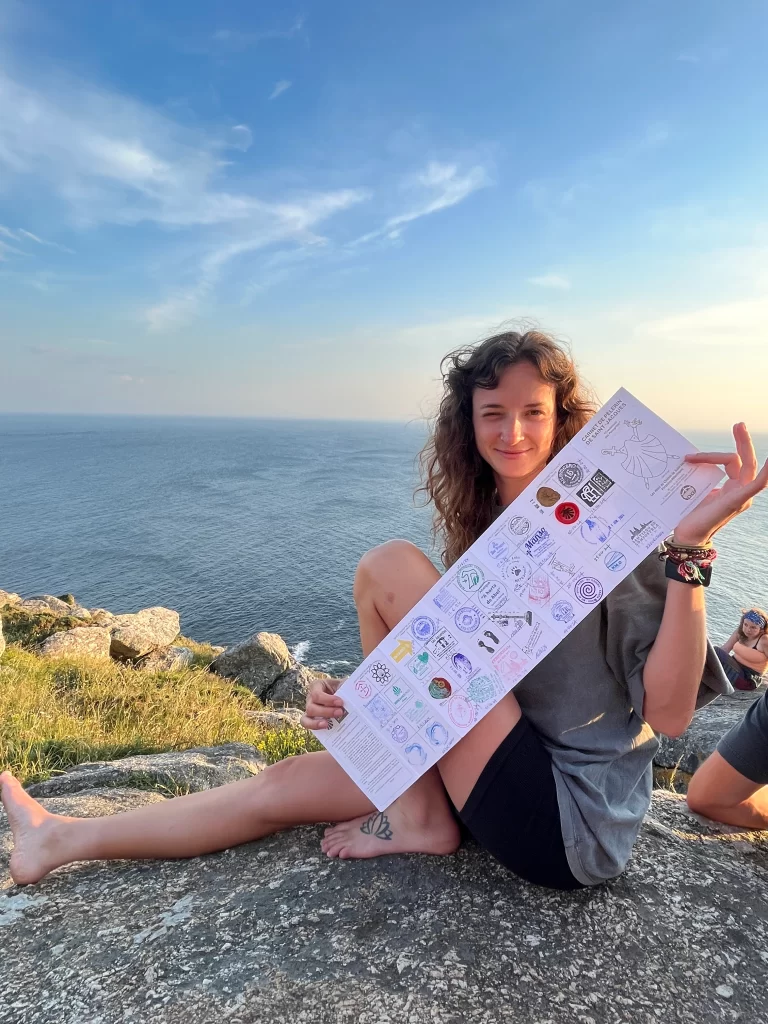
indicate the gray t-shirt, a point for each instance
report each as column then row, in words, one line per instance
column 585, row 700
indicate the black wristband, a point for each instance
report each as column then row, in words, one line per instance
column 672, row 572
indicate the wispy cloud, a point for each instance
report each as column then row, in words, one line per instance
column 551, row 281
column 740, row 323
column 703, row 55
column 438, row 186
column 242, row 137
column 236, row 39
column 280, row 88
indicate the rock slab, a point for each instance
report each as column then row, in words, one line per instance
column 170, row 660
column 272, row 932
column 256, row 663
column 685, row 753
column 136, row 635
column 185, row 770
column 92, row 641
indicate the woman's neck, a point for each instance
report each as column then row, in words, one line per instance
column 509, row 489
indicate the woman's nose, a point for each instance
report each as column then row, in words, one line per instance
column 512, row 431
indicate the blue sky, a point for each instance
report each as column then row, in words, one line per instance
column 277, row 210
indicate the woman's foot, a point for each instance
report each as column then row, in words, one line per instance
column 34, row 853
column 405, row 827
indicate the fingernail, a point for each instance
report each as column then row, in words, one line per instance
column 339, row 712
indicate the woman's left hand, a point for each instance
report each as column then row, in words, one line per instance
column 735, row 495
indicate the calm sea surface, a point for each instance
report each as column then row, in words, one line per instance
column 246, row 525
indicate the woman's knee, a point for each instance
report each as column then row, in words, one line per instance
column 383, row 564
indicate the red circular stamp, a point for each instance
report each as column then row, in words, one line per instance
column 567, row 512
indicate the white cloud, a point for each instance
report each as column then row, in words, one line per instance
column 551, row 281
column 242, row 137
column 737, row 324
column 237, row 40
column 280, row 88
column 448, row 186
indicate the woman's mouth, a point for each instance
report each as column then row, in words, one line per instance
column 512, row 455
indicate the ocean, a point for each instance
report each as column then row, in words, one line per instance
column 247, row 525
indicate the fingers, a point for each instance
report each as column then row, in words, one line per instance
column 746, row 452
column 320, row 696
column 730, row 461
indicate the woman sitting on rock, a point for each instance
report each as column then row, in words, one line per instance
column 744, row 656
column 555, row 780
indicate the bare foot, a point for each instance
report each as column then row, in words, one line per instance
column 399, row 829
column 33, row 833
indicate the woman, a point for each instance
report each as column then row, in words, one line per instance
column 555, row 780
column 744, row 656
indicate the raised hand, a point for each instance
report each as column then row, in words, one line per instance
column 322, row 704
column 726, row 502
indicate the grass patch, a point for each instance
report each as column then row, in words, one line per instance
column 27, row 629
column 60, row 712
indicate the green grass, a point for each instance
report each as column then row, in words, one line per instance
column 60, row 712
column 27, row 629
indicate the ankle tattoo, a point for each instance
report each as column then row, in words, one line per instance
column 377, row 825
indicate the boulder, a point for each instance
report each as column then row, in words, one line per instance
column 178, row 770
column 92, row 641
column 169, row 660
column 46, row 603
column 256, row 663
column 2, row 638
column 272, row 719
column 145, row 631
column 685, row 753
column 272, row 932
column 6, row 597
column 102, row 617
column 68, row 599
column 291, row 687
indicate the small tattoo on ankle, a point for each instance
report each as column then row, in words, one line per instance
column 377, row 825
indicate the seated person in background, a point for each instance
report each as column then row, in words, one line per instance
column 732, row 784
column 745, row 655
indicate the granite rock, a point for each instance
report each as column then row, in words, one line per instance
column 2, row 638
column 685, row 753
column 179, row 770
column 272, row 932
column 136, row 635
column 6, row 597
column 291, row 687
column 93, row 641
column 257, row 663
column 169, row 660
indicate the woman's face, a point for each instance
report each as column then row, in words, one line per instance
column 515, row 423
column 751, row 630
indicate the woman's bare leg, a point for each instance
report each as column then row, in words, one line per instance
column 301, row 790
column 389, row 582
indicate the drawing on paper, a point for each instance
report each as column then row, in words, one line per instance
column 463, row 665
column 423, row 627
column 566, row 568
column 363, row 689
column 460, row 711
column 588, row 590
column 437, row 735
column 399, row 733
column 510, row 662
column 547, row 497
column 645, row 457
column 442, row 643
column 467, row 619
column 381, row 673
column 504, row 618
column 615, row 561
column 420, row 665
column 379, row 710
column 469, row 577
column 595, row 531
column 416, row 754
column 492, row 594
column 481, row 690
column 687, row 492
column 539, row 590
column 570, row 474
column 567, row 512
column 562, row 611
column 403, row 650
column 439, row 688
column 498, row 548
column 486, row 647
column 519, row 526
column 445, row 600
column 516, row 569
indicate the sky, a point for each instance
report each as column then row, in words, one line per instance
column 297, row 209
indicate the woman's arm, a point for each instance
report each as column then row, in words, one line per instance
column 751, row 657
column 732, row 639
column 675, row 663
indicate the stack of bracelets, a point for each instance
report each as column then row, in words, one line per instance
column 688, row 564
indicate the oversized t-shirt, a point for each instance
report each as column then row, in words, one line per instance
column 585, row 699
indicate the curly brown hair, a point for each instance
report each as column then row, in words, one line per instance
column 456, row 478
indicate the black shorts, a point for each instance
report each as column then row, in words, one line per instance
column 513, row 812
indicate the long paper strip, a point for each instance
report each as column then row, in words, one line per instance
column 599, row 507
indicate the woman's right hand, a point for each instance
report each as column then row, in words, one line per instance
column 322, row 704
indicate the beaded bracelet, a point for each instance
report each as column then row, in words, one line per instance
column 691, row 565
